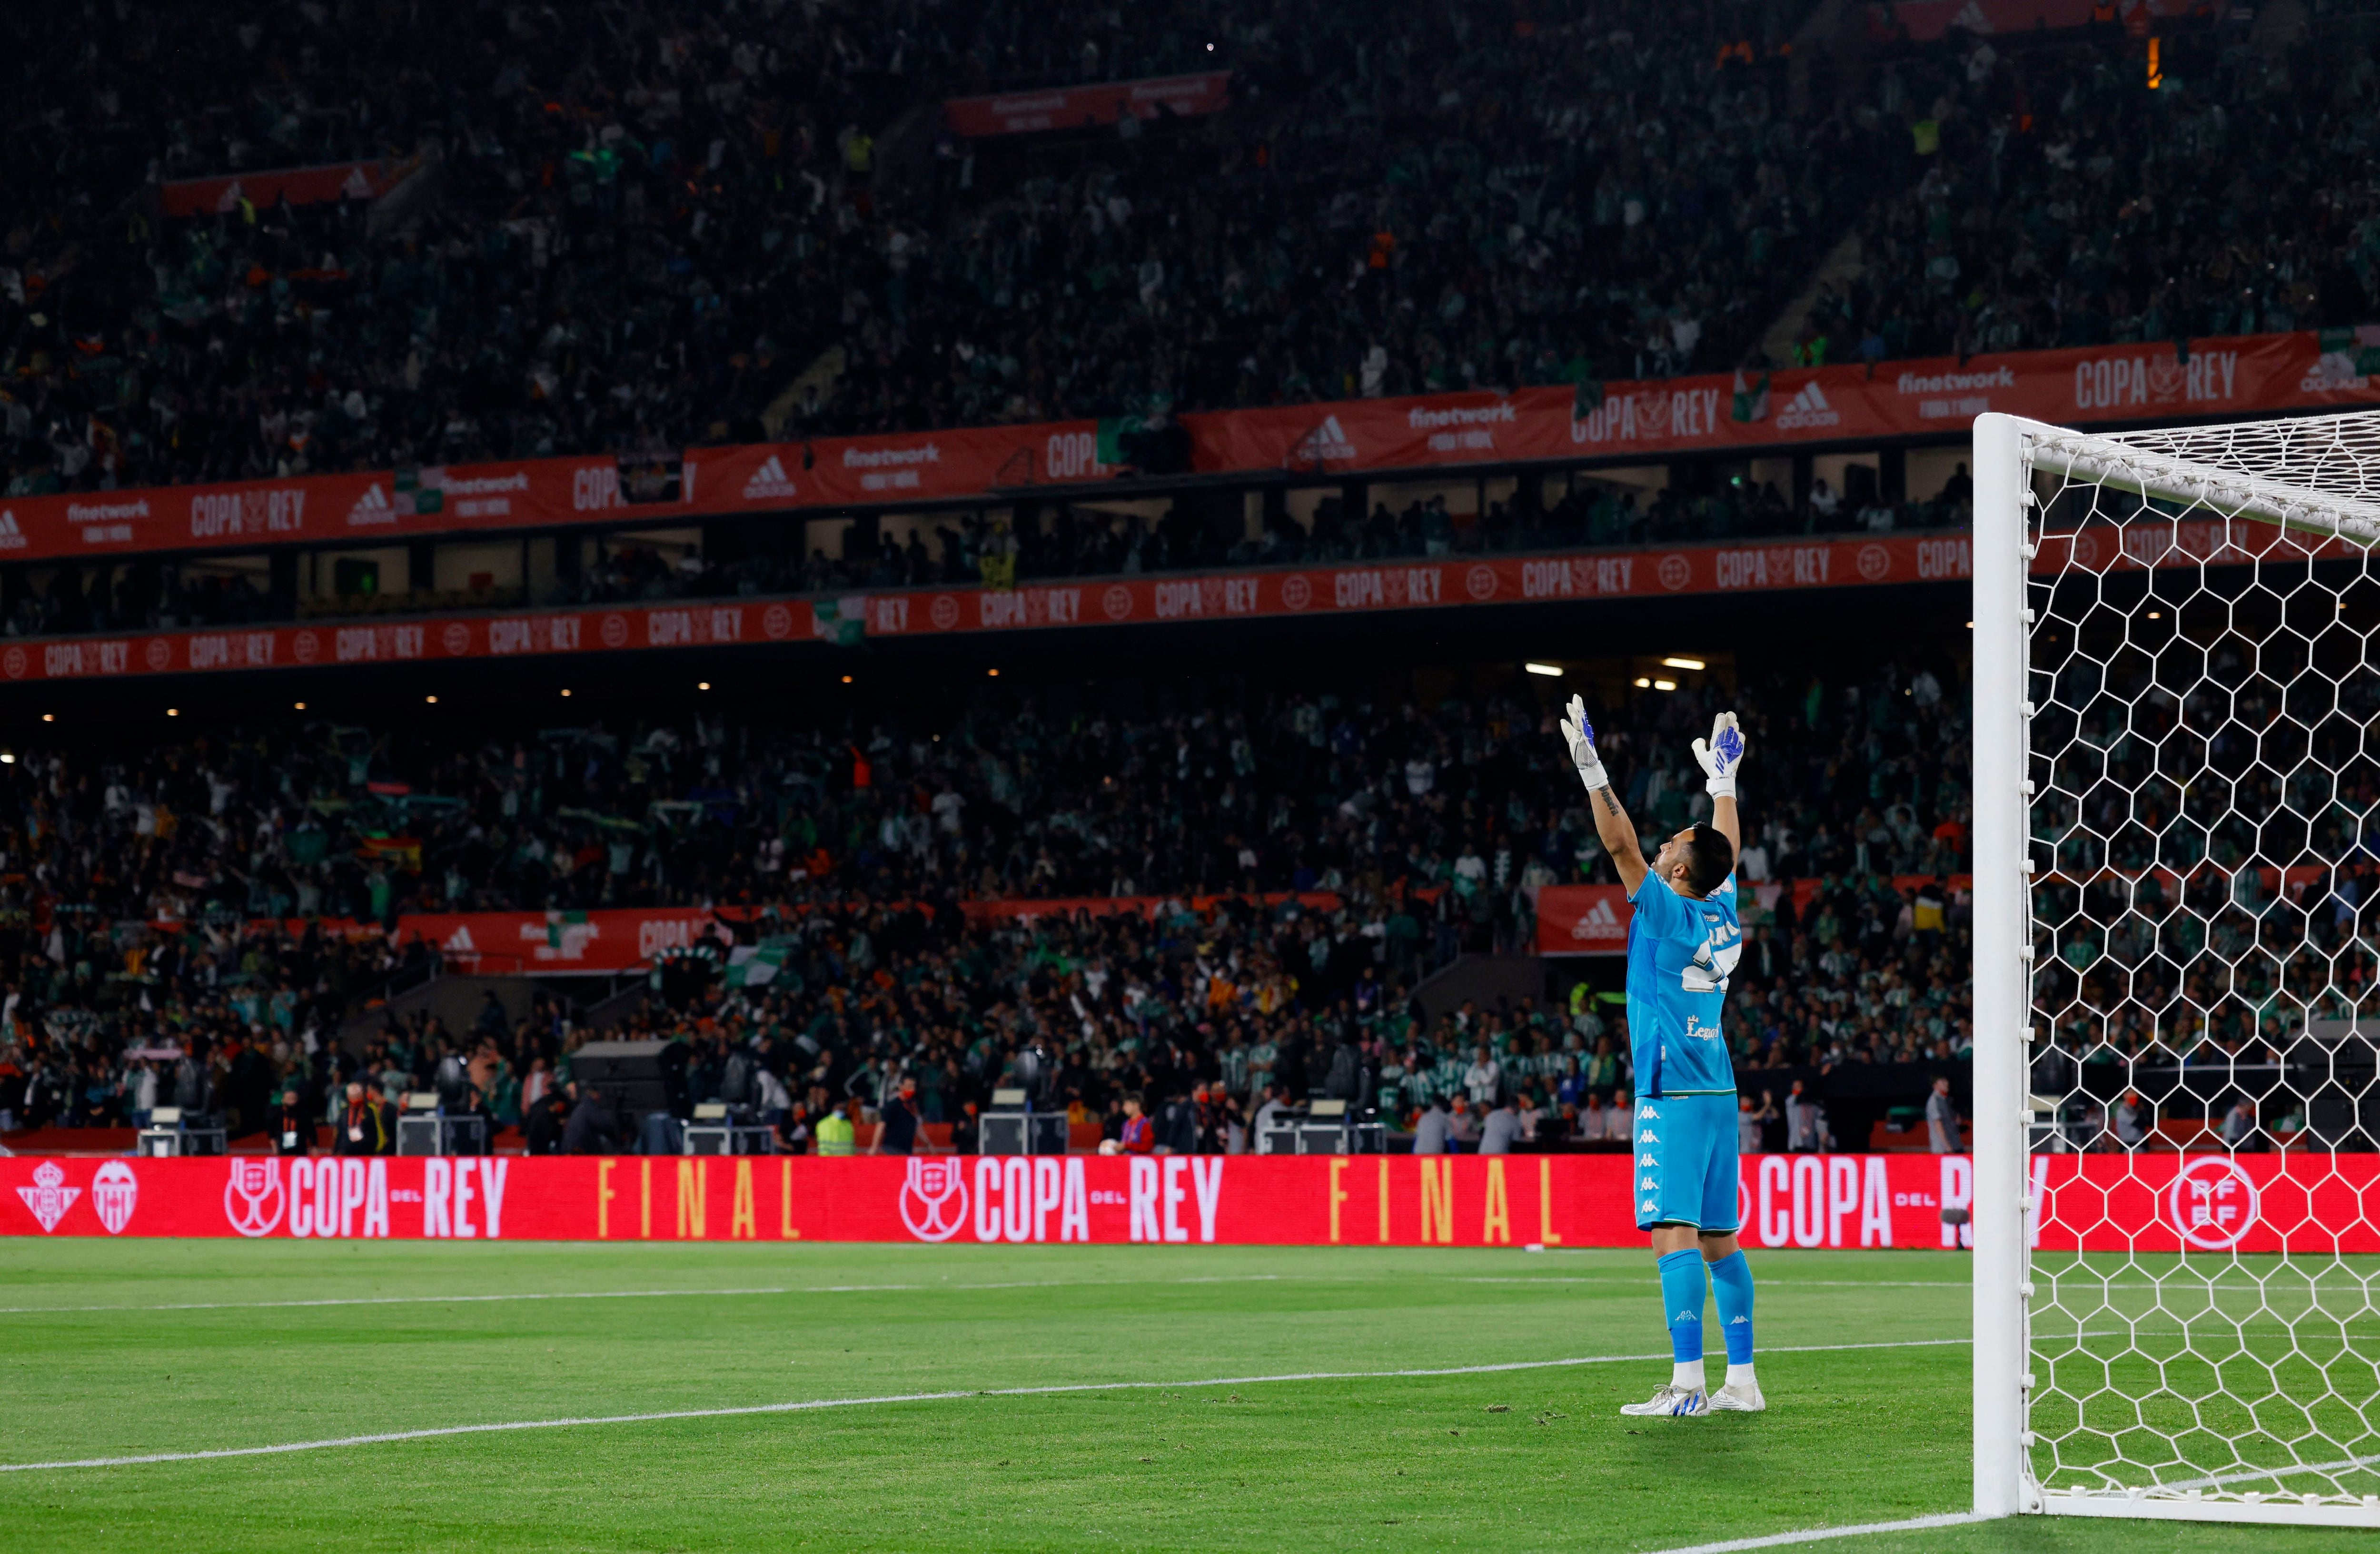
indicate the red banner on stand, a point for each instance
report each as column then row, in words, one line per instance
column 1583, row 920
column 1092, row 107
column 269, row 187
column 2246, row 376
column 2148, row 1204
column 1748, row 566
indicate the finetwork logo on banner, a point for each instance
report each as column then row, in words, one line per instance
column 768, row 480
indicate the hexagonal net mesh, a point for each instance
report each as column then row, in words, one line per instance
column 2204, row 847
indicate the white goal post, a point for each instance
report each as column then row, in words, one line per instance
column 2176, row 851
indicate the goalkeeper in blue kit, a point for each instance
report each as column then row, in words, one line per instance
column 1683, row 942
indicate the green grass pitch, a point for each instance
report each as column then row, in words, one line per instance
column 96, row 1361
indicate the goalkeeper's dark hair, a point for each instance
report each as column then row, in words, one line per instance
column 1709, row 858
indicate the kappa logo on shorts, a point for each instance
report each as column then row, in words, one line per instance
column 1649, row 1138
column 1648, row 1186
column 1646, row 1161
column 1739, row 1321
column 1648, row 1113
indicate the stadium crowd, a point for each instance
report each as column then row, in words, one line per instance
column 144, row 901
column 701, row 224
column 2068, row 201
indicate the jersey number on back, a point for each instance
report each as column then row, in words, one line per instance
column 1714, row 961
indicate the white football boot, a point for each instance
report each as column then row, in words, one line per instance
column 1740, row 1397
column 1678, row 1402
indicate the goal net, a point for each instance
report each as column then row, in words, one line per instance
column 2177, row 851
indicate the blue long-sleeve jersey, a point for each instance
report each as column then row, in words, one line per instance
column 1680, row 953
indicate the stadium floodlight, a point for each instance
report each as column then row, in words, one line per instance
column 1665, row 684
column 1551, row 671
column 2177, row 749
column 1683, row 663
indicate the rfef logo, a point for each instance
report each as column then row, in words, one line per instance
column 934, row 1197
column 2213, row 1203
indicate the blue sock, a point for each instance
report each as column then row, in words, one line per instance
column 1681, row 1298
column 1731, row 1280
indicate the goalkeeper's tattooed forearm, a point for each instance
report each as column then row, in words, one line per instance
column 1609, row 802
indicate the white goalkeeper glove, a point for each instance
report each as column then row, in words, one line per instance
column 1721, row 755
column 1579, row 734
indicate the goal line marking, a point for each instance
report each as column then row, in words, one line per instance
column 809, row 1405
column 1635, row 1281
column 1822, row 1535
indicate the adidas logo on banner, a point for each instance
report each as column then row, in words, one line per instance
column 11, row 537
column 1808, row 407
column 1598, row 921
column 1324, row 443
column 370, row 508
column 768, row 480
column 460, row 942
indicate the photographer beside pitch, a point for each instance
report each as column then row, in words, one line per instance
column 1684, row 943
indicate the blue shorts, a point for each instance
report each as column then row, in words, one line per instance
column 1685, row 1162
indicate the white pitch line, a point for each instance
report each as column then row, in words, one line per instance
column 627, row 1295
column 1822, row 1535
column 1764, row 1284
column 860, row 1289
column 813, row 1404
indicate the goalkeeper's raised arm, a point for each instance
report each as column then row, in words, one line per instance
column 1612, row 825
column 1719, row 756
